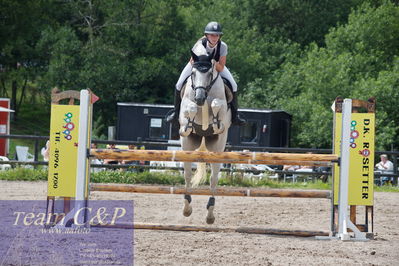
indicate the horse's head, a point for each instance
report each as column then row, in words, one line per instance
column 202, row 77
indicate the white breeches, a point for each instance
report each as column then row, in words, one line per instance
column 187, row 72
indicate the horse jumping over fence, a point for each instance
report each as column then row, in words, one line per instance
column 204, row 122
column 78, row 190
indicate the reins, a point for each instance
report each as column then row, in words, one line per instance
column 207, row 88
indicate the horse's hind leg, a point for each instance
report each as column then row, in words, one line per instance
column 187, row 210
column 210, row 218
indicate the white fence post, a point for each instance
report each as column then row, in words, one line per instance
column 82, row 169
column 344, row 221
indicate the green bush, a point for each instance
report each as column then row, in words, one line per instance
column 24, row 174
column 126, row 177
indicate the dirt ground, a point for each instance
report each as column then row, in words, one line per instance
column 201, row 248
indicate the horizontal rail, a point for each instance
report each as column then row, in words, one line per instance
column 166, row 144
column 232, row 170
column 220, row 191
column 33, row 137
column 12, row 162
column 254, row 147
column 216, row 157
column 199, row 228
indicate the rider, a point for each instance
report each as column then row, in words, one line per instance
column 211, row 41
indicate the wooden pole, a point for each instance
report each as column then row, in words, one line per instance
column 198, row 228
column 216, row 157
column 220, row 191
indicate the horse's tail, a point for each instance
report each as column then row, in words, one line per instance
column 200, row 173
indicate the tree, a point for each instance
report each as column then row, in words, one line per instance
column 124, row 51
column 359, row 61
column 299, row 21
column 20, row 27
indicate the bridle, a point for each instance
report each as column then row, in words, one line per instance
column 204, row 67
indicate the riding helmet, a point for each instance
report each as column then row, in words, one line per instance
column 213, row 28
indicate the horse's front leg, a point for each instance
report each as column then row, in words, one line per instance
column 187, row 210
column 188, row 119
column 217, row 126
column 210, row 218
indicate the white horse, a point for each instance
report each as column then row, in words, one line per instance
column 204, row 122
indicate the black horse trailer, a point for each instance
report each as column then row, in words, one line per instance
column 145, row 122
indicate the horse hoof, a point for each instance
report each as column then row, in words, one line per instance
column 187, row 209
column 210, row 220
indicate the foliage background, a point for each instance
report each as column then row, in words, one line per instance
column 285, row 54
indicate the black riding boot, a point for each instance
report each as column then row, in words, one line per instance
column 235, row 117
column 174, row 117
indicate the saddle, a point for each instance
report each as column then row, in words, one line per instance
column 228, row 90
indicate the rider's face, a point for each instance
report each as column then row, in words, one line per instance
column 213, row 38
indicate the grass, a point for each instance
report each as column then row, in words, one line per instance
column 24, row 174
column 386, row 188
column 127, row 177
column 172, row 178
